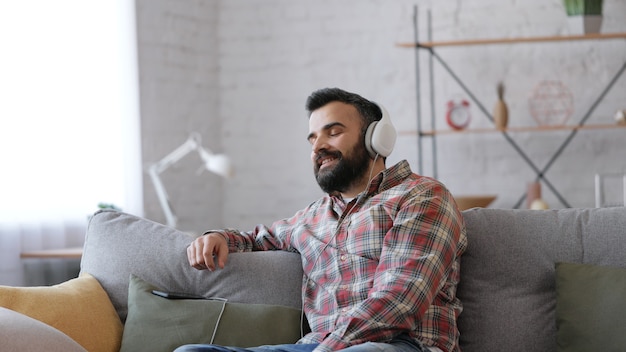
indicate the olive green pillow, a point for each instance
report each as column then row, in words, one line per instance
column 155, row 323
column 590, row 308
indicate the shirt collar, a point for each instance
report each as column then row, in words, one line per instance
column 389, row 177
column 386, row 179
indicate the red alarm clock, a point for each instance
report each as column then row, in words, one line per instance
column 458, row 114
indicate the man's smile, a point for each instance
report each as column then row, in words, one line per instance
column 323, row 162
column 326, row 159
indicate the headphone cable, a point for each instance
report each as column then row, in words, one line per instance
column 306, row 282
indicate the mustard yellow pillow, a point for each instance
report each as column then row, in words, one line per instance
column 80, row 308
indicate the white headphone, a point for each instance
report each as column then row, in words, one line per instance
column 380, row 136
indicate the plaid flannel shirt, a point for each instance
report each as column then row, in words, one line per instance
column 385, row 263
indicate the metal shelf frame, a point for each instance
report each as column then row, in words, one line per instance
column 430, row 47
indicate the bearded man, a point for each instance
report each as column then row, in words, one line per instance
column 380, row 251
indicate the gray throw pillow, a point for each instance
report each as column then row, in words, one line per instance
column 590, row 308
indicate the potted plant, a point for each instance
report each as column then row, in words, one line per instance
column 585, row 15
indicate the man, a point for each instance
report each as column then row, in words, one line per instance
column 380, row 251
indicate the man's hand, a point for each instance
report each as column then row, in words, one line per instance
column 202, row 251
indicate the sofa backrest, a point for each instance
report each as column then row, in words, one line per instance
column 508, row 271
column 118, row 245
column 507, row 274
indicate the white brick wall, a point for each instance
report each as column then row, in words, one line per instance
column 239, row 72
column 178, row 67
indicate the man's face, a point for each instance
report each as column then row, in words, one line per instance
column 338, row 150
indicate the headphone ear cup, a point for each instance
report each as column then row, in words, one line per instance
column 368, row 139
column 380, row 137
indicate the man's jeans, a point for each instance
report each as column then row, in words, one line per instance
column 401, row 343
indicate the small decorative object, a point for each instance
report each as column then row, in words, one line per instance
column 584, row 16
column 501, row 111
column 533, row 197
column 620, row 117
column 112, row 206
column 457, row 115
column 610, row 189
column 551, row 103
column 103, row 205
column 539, row 204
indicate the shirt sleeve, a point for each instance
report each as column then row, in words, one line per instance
column 417, row 256
column 263, row 238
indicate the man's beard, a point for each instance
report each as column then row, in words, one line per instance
column 348, row 170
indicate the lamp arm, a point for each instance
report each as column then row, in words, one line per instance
column 190, row 145
column 156, row 169
column 217, row 163
column 164, row 200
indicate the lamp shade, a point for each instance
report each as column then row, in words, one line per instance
column 219, row 164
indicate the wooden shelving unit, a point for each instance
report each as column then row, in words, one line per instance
column 595, row 36
column 430, row 46
column 514, row 129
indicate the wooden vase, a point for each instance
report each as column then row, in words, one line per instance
column 533, row 197
column 501, row 111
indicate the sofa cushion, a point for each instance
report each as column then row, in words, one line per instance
column 118, row 245
column 590, row 307
column 79, row 307
column 19, row 332
column 507, row 282
column 156, row 324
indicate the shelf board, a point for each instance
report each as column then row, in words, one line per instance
column 594, row 36
column 66, row 253
column 515, row 129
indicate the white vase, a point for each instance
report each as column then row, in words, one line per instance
column 584, row 24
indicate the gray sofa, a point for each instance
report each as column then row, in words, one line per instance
column 507, row 277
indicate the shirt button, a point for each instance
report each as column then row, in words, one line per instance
column 343, row 310
column 343, row 257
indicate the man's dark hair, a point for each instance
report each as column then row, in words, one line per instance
column 368, row 110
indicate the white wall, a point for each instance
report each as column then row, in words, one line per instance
column 178, row 73
column 240, row 71
column 273, row 54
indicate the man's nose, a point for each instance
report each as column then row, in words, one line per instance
column 319, row 144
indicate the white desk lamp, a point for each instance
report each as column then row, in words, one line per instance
column 216, row 163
